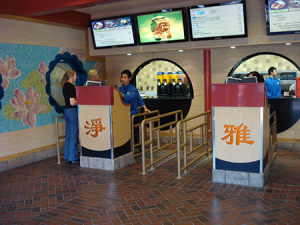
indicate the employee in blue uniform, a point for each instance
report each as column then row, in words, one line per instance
column 130, row 94
column 273, row 84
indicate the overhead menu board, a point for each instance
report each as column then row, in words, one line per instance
column 217, row 21
column 113, row 32
column 283, row 16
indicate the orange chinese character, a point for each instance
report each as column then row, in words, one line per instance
column 241, row 134
column 95, row 127
column 229, row 129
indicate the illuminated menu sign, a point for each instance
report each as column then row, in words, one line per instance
column 217, row 21
column 112, row 32
column 284, row 16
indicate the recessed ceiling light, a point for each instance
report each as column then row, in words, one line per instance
column 288, row 43
column 129, row 54
column 180, row 50
column 232, row 47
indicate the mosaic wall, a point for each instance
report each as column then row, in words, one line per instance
column 264, row 62
column 147, row 77
column 24, row 101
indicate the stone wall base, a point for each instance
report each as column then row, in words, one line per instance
column 30, row 158
column 106, row 164
column 240, row 178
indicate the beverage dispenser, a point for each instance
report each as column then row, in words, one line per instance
column 159, row 83
column 177, row 88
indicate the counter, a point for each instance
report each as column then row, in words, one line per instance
column 287, row 110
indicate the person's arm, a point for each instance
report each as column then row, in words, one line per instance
column 73, row 102
column 145, row 109
column 141, row 103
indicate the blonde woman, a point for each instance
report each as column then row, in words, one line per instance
column 71, row 116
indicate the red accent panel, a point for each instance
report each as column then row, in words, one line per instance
column 95, row 95
column 238, row 95
column 38, row 7
column 207, row 79
column 68, row 17
column 11, row 7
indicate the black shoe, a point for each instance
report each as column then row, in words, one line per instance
column 75, row 162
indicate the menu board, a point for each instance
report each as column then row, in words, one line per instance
column 283, row 16
column 221, row 20
column 113, row 32
column 161, row 26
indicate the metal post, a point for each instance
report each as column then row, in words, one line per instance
column 184, row 148
column 206, row 134
column 57, row 141
column 191, row 141
column 178, row 150
column 151, row 144
column 143, row 149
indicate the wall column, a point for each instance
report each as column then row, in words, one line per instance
column 207, row 82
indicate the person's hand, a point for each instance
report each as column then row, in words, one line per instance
column 147, row 110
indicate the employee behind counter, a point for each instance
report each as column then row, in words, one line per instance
column 273, row 84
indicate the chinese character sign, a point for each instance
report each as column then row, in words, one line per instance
column 240, row 134
column 94, row 127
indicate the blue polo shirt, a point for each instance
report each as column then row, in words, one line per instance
column 132, row 96
column 273, row 87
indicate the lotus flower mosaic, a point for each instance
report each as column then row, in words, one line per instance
column 8, row 71
column 42, row 70
column 27, row 107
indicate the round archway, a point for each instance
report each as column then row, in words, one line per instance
column 286, row 107
column 165, row 86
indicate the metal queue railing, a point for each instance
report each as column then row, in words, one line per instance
column 58, row 137
column 182, row 126
column 145, row 142
column 138, row 125
column 273, row 137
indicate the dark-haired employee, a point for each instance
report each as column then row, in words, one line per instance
column 273, row 84
column 130, row 94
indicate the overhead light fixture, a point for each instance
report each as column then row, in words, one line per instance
column 129, row 54
column 232, row 47
column 288, row 43
column 180, row 50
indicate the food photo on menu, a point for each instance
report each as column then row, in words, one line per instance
column 294, row 5
column 111, row 23
column 124, row 22
column 278, row 5
column 98, row 25
column 161, row 27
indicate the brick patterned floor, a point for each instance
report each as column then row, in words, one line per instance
column 47, row 193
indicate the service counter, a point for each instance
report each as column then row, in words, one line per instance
column 287, row 110
column 240, row 134
column 104, row 128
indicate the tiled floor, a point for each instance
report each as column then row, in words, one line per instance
column 47, row 193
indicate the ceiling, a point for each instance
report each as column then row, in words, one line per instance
column 76, row 12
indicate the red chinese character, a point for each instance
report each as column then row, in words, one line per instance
column 95, row 127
